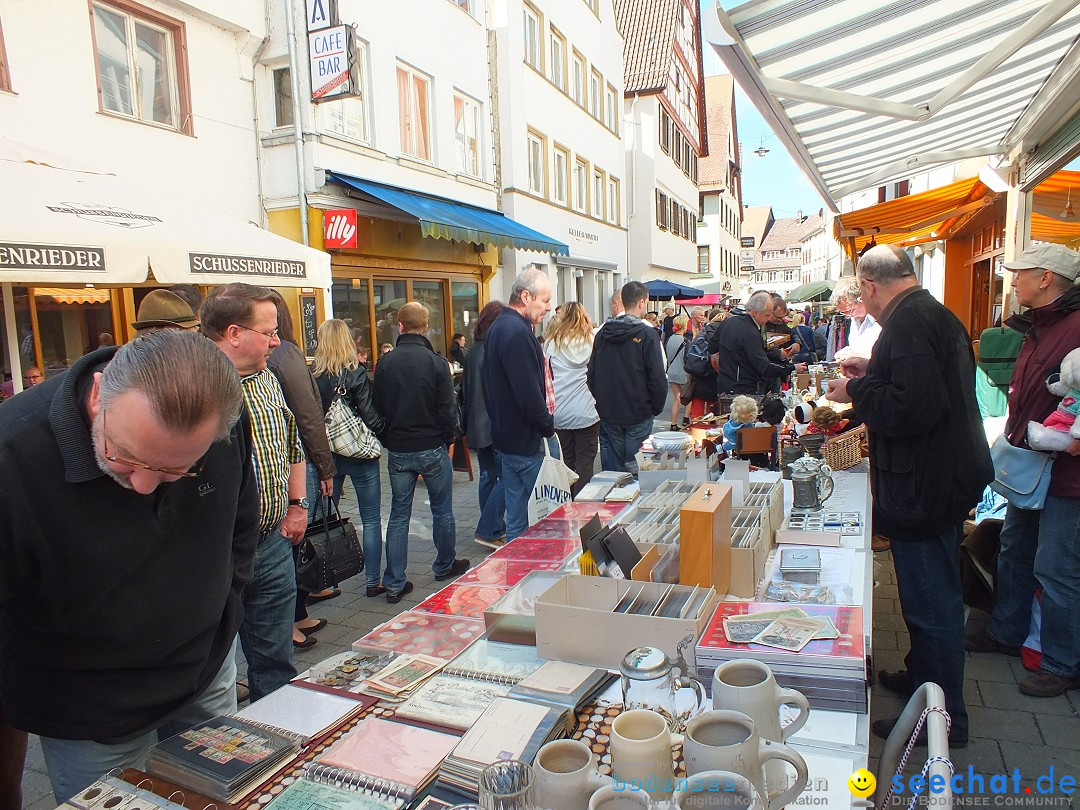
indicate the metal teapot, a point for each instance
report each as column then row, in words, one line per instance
column 649, row 682
column 811, row 482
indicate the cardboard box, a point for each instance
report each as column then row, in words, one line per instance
column 705, row 537
column 801, row 537
column 769, row 495
column 575, row 622
column 748, row 563
column 512, row 618
column 654, row 470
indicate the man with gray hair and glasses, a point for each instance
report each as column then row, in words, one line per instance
column 126, row 540
column 929, row 464
column 515, row 391
column 862, row 328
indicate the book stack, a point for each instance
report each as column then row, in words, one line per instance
column 508, row 729
column 224, row 758
column 562, row 686
column 457, row 696
column 830, row 672
column 302, row 714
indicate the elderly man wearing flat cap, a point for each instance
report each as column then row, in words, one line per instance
column 1039, row 548
column 161, row 309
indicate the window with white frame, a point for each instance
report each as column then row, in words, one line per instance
column 533, row 28
column 140, row 69
column 558, row 60
column 611, row 102
column 465, row 4
column 613, row 200
column 577, row 79
column 414, row 119
column 581, row 186
column 789, row 275
column 598, row 184
column 703, row 259
column 467, row 135
column 560, row 175
column 536, row 164
column 348, row 116
column 283, row 104
column 596, row 84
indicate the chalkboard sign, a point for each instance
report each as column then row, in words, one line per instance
column 309, row 326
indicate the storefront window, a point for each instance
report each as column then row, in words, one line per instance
column 24, row 335
column 432, row 295
column 71, row 323
column 352, row 305
column 465, row 307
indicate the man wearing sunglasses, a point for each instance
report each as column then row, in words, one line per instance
column 126, row 540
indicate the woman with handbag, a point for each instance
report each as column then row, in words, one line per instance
column 340, row 375
column 288, row 364
column 676, row 373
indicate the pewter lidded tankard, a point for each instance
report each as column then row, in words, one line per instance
column 811, row 483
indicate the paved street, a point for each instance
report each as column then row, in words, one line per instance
column 1009, row 730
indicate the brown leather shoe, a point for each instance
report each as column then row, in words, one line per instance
column 879, row 542
column 981, row 642
column 1047, row 684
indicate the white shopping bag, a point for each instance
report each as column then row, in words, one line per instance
column 552, row 487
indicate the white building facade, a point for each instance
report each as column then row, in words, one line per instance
column 558, row 92
column 665, row 113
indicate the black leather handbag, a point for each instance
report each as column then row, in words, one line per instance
column 330, row 552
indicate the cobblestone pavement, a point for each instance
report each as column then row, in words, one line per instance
column 1008, row 729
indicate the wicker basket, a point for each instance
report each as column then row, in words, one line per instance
column 844, row 451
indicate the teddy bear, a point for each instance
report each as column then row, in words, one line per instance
column 1062, row 427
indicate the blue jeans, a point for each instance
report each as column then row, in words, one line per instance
column 492, row 523
column 364, row 474
column 269, row 608
column 76, row 764
column 1041, row 548
column 931, row 601
column 619, row 445
column 519, row 475
column 438, row 472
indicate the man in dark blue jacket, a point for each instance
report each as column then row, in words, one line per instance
column 515, row 393
column 628, row 380
column 414, row 391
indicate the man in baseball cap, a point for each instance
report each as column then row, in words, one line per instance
column 1049, row 257
column 162, row 309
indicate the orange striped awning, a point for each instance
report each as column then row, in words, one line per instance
column 1052, row 198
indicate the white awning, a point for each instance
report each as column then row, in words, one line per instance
column 866, row 91
column 59, row 226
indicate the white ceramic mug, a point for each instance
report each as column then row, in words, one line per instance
column 641, row 752
column 566, row 775
column 748, row 686
column 717, row 790
column 723, row 740
column 615, row 797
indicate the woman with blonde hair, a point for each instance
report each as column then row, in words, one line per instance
column 337, row 369
column 567, row 347
column 676, row 374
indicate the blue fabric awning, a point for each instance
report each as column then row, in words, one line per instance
column 441, row 218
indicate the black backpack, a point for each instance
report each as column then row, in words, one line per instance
column 696, row 360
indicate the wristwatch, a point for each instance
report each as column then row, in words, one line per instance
column 301, row 502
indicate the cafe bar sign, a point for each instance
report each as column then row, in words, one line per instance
column 331, row 53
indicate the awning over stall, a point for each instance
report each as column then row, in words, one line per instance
column 441, row 218
column 864, row 91
column 59, row 226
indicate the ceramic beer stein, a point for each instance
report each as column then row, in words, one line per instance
column 723, row 740
column 749, row 687
column 566, row 776
column 641, row 752
column 717, row 790
column 614, row 797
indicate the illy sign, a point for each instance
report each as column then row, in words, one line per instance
column 339, row 228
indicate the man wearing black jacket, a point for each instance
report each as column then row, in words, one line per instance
column 742, row 364
column 929, row 464
column 126, row 539
column 627, row 378
column 415, row 393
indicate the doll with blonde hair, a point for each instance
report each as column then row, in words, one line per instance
column 744, row 413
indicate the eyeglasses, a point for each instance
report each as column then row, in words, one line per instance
column 267, row 335
column 33, row 377
column 126, row 462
